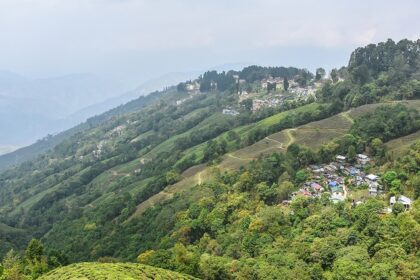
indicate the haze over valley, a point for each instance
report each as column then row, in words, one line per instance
column 209, row 140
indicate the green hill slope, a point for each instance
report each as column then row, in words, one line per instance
column 112, row 271
column 312, row 135
column 119, row 187
column 398, row 147
column 27, row 153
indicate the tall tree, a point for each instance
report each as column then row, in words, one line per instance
column 319, row 74
column 334, row 75
column 286, row 83
column 34, row 251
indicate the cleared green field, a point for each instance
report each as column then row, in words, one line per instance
column 277, row 142
column 278, row 117
column 265, row 146
column 399, row 146
column 359, row 111
column 315, row 138
column 281, row 137
column 242, row 131
column 312, row 135
column 112, row 271
column 339, row 121
column 315, row 134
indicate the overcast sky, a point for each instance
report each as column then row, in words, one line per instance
column 134, row 40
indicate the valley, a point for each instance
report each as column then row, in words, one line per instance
column 235, row 175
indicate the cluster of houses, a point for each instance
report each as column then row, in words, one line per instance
column 117, row 131
column 180, row 101
column 193, row 87
column 99, row 148
column 302, row 93
column 337, row 171
column 269, row 102
column 333, row 177
column 325, row 177
column 275, row 83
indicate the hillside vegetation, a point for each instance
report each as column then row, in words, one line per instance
column 48, row 142
column 112, row 271
column 202, row 178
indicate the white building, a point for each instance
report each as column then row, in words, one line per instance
column 340, row 158
column 230, row 112
column 362, row 159
column 372, row 177
column 401, row 199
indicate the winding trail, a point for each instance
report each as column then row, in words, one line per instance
column 274, row 140
column 199, row 177
column 291, row 137
column 235, row 157
column 281, row 145
column 347, row 116
column 345, row 193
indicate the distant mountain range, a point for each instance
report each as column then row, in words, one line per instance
column 30, row 109
column 25, row 120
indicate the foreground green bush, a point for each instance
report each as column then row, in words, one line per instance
column 105, row 271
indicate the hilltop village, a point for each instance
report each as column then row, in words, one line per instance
column 341, row 180
column 257, row 94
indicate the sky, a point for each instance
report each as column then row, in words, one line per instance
column 134, row 40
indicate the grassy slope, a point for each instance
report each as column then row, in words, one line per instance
column 27, row 153
column 243, row 130
column 106, row 180
column 397, row 147
column 313, row 135
column 112, row 271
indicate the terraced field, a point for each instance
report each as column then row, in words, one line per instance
column 312, row 135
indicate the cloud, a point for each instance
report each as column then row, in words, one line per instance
column 48, row 36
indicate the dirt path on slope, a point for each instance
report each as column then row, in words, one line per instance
column 199, row 177
column 235, row 157
column 345, row 193
column 347, row 116
column 291, row 137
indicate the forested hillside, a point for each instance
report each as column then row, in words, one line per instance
column 48, row 142
column 219, row 177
